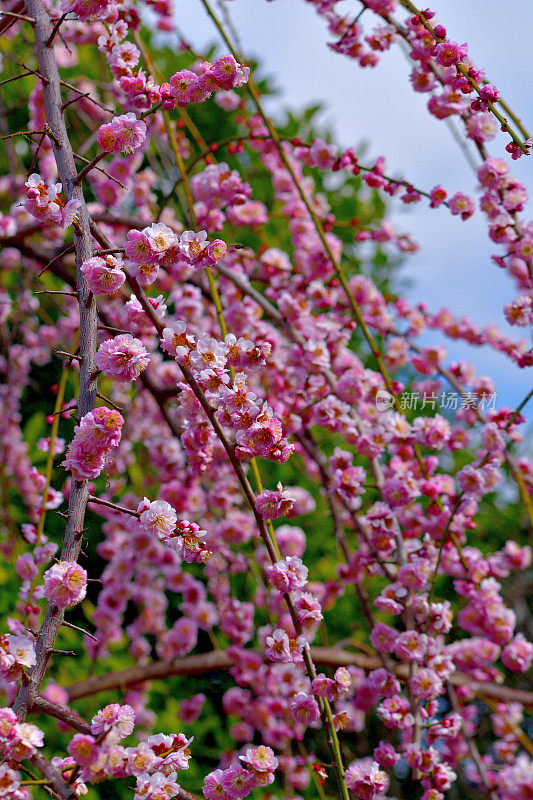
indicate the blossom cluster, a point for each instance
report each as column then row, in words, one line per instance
column 46, row 203
column 160, row 520
column 257, row 431
column 158, row 246
column 256, row 769
column 221, row 196
column 97, row 756
column 195, row 87
column 103, row 275
column 18, row 741
column 17, row 653
column 141, row 90
column 124, row 134
column 98, row 432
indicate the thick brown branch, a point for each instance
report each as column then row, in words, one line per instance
column 322, row 656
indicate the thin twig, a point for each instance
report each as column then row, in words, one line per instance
column 55, row 29
column 15, row 78
column 81, row 630
column 108, row 504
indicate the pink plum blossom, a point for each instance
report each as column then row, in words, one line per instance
column 122, row 358
column 124, row 134
column 65, row 584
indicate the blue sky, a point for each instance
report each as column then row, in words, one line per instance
column 377, row 106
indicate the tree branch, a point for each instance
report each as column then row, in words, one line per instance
column 62, row 713
column 322, row 656
column 88, row 332
column 54, row 777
